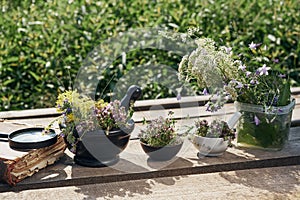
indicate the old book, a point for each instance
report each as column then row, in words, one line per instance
column 17, row 165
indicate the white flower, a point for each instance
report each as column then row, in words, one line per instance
column 239, row 85
column 242, row 67
column 253, row 45
column 264, row 70
column 248, row 73
column 228, row 50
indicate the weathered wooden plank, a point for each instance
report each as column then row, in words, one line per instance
column 169, row 103
column 138, row 167
column 196, row 112
column 139, row 115
column 32, row 113
column 134, row 165
column 263, row 184
column 183, row 116
column 142, row 105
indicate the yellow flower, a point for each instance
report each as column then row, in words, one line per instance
column 70, row 117
column 63, row 98
column 100, row 104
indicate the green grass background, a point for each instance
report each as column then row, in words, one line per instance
column 42, row 43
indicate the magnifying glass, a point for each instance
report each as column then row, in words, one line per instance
column 30, row 138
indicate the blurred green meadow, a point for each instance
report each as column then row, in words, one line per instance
column 43, row 43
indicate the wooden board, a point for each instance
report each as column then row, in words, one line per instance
column 262, row 184
column 134, row 163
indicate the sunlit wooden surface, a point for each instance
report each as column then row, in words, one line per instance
column 230, row 170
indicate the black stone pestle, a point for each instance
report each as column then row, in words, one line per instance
column 133, row 93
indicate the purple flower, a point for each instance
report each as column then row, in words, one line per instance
column 256, row 120
column 239, row 85
column 233, row 81
column 248, row 73
column 205, row 91
column 275, row 100
column 178, row 97
column 69, row 110
column 264, row 70
column 257, row 72
column 254, row 82
column 276, row 60
column 242, row 67
column 281, row 75
column 252, row 45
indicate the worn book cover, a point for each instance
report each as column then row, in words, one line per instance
column 17, row 165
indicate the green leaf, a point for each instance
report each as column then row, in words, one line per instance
column 7, row 82
column 34, row 75
column 10, row 60
column 284, row 98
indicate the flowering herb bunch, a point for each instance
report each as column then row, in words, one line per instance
column 260, row 85
column 222, row 74
column 217, row 129
column 81, row 114
column 160, row 132
column 252, row 78
column 208, row 68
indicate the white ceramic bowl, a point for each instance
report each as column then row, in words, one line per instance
column 209, row 146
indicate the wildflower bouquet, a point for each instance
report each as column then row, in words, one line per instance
column 213, row 139
column 208, row 68
column 217, row 129
column 81, row 114
column 160, row 132
column 262, row 94
column 159, row 140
